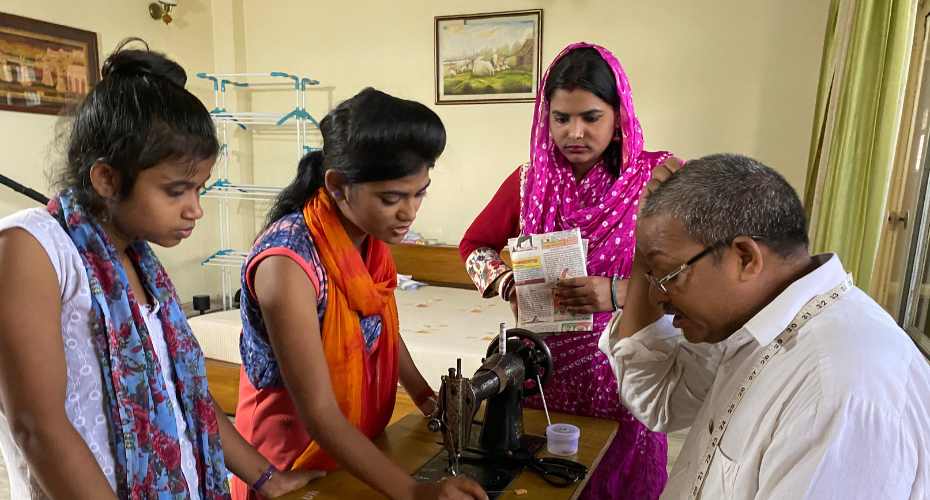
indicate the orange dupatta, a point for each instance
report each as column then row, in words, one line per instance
column 364, row 388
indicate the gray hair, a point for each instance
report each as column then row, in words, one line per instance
column 720, row 197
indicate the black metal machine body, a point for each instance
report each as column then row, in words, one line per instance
column 505, row 377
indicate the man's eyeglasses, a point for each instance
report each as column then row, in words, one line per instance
column 662, row 283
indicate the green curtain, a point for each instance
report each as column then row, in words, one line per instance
column 859, row 104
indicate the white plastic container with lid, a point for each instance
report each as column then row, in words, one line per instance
column 562, row 439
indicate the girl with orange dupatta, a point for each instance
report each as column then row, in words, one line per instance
column 321, row 346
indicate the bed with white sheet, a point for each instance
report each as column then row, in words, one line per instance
column 438, row 324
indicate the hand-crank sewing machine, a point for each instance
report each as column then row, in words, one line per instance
column 514, row 368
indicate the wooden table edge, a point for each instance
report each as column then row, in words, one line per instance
column 595, row 463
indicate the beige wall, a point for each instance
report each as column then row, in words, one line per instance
column 25, row 139
column 711, row 76
column 718, row 75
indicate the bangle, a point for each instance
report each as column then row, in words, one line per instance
column 613, row 293
column 264, row 477
column 506, row 287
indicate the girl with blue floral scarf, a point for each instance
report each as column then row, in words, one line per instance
column 103, row 392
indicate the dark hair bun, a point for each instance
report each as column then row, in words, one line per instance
column 141, row 63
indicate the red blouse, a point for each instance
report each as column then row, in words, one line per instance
column 498, row 222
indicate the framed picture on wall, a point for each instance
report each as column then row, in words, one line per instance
column 486, row 58
column 44, row 67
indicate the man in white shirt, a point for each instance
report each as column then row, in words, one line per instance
column 795, row 384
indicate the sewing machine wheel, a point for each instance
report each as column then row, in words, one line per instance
column 539, row 354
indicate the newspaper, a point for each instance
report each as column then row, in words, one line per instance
column 539, row 261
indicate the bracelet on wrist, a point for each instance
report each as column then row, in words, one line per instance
column 505, row 290
column 613, row 293
column 270, row 471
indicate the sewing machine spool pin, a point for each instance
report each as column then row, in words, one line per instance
column 502, row 338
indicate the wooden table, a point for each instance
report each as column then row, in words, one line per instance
column 410, row 444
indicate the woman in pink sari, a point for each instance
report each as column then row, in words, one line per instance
column 587, row 170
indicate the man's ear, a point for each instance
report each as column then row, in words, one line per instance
column 749, row 255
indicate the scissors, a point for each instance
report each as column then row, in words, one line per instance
column 557, row 471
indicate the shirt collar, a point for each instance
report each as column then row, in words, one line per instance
column 775, row 317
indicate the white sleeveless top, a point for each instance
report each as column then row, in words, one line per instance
column 84, row 400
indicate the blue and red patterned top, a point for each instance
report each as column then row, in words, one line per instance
column 287, row 237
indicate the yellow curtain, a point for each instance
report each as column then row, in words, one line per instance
column 859, row 104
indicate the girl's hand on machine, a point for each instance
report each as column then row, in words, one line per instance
column 456, row 488
column 429, row 406
column 286, row 481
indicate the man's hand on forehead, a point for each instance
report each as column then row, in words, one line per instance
column 660, row 174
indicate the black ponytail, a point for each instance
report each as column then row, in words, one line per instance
column 130, row 63
column 370, row 137
column 308, row 181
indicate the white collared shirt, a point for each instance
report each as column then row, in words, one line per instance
column 843, row 411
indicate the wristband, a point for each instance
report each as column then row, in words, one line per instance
column 264, row 477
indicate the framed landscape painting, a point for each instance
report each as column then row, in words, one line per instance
column 486, row 58
column 44, row 67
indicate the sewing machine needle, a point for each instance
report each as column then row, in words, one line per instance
column 543, row 396
column 502, row 339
